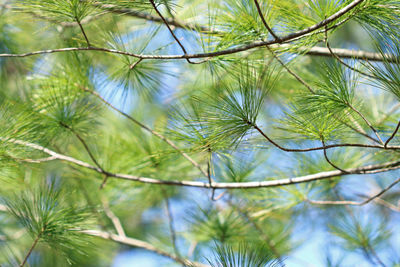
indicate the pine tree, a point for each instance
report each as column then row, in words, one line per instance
column 199, row 133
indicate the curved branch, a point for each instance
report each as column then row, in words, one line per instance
column 241, row 185
column 393, row 134
column 256, row 44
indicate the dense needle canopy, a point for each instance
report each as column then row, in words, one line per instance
column 235, row 133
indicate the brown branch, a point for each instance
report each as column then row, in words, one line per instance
column 85, row 145
column 170, row 30
column 328, row 160
column 31, row 249
column 260, row 13
column 141, row 244
column 83, row 31
column 393, row 134
column 255, row 44
column 316, row 148
column 298, row 78
column 344, row 63
column 240, row 185
column 366, row 121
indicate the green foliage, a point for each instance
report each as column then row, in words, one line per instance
column 130, row 74
column 376, row 13
column 363, row 236
column 243, row 22
column 388, row 72
column 336, row 89
column 69, row 10
column 211, row 224
column 242, row 255
column 233, row 111
column 317, row 125
column 46, row 215
column 133, row 134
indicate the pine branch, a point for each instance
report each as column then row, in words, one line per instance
column 186, row 56
column 169, row 29
column 314, row 51
column 83, row 32
column 31, row 249
column 260, row 13
column 328, row 160
column 358, row 128
column 367, row 122
column 344, row 63
column 393, row 134
column 369, row 169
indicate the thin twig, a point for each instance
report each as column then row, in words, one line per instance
column 315, row 148
column 328, row 160
column 31, row 249
column 342, row 62
column 393, row 134
column 209, row 174
column 260, row 13
column 132, row 66
column 290, row 71
column 170, row 30
column 114, row 219
column 92, row 157
column 83, row 32
column 366, row 121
